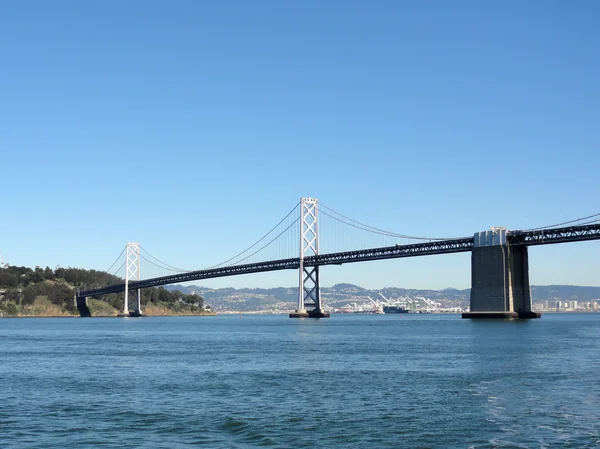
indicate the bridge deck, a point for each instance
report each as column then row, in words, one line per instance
column 537, row 237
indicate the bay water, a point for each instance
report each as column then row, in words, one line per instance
column 351, row 381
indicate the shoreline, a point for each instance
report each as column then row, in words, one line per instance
column 101, row 316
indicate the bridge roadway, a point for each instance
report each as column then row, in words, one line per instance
column 464, row 244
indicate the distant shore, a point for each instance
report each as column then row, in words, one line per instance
column 104, row 316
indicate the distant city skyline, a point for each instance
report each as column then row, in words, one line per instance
column 193, row 127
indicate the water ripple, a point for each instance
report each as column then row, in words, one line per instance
column 348, row 382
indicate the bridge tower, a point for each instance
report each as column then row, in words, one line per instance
column 132, row 273
column 499, row 278
column 309, row 291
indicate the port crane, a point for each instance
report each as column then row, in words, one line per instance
column 387, row 301
column 416, row 305
column 402, row 302
column 377, row 306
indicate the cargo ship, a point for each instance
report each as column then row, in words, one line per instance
column 394, row 309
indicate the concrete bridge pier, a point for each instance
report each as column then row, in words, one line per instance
column 81, row 304
column 137, row 312
column 499, row 278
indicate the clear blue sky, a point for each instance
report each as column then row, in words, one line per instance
column 192, row 127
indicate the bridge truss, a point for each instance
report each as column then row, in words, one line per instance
column 390, row 252
column 446, row 246
column 554, row 235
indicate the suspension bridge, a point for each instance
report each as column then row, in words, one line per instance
column 499, row 261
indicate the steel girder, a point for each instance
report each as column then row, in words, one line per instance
column 309, row 290
column 132, row 273
column 389, row 252
column 393, row 252
column 272, row 265
column 556, row 235
column 539, row 237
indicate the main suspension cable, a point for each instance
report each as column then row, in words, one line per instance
column 165, row 266
column 118, row 269
column 170, row 267
column 177, row 270
column 266, row 244
column 376, row 230
column 259, row 240
column 567, row 222
column 116, row 260
column 385, row 233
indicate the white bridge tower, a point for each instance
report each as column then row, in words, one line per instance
column 132, row 273
column 309, row 291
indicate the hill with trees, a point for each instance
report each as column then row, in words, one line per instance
column 45, row 292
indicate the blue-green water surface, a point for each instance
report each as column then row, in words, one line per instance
column 351, row 381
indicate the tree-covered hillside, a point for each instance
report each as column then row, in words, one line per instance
column 46, row 292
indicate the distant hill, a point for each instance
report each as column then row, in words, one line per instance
column 283, row 299
column 45, row 292
column 564, row 292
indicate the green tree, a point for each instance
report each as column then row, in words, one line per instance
column 13, row 294
column 163, row 295
column 10, row 308
column 29, row 295
column 8, row 279
column 48, row 273
column 37, row 276
column 59, row 294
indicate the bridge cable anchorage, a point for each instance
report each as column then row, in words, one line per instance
column 569, row 222
column 295, row 208
column 375, row 230
column 116, row 260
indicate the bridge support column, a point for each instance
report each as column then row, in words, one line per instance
column 309, row 290
column 81, row 304
column 132, row 272
column 499, row 278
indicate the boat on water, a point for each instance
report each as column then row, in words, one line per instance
column 394, row 309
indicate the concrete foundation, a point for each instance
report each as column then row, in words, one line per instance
column 500, row 283
column 489, row 279
column 529, row 315
column 519, row 279
column 317, row 313
column 493, row 315
column 81, row 304
column 132, row 314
